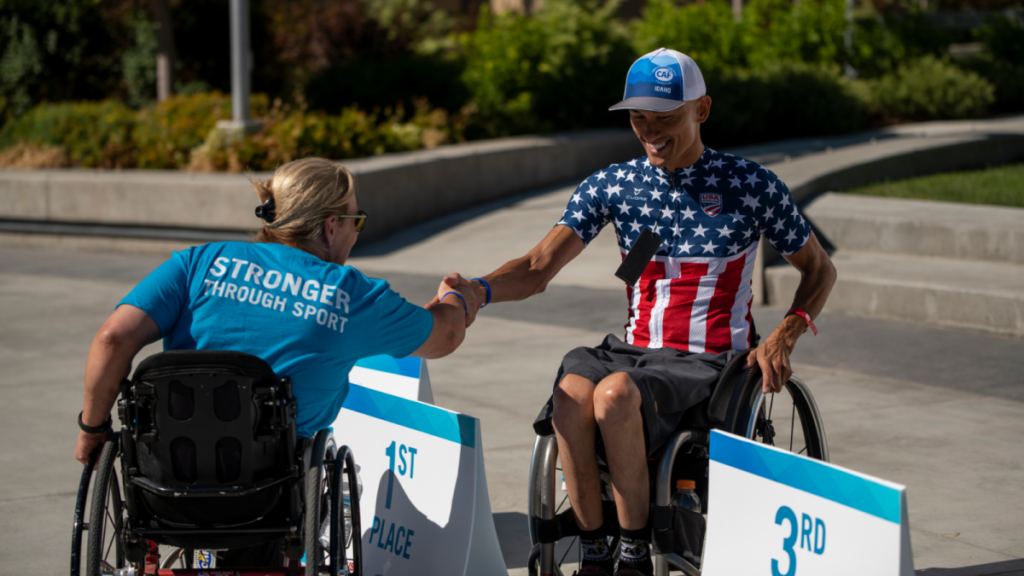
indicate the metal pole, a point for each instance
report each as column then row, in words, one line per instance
column 240, row 80
column 165, row 50
column 848, row 68
column 737, row 10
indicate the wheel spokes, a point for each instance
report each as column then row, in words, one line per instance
column 567, row 550
column 792, row 422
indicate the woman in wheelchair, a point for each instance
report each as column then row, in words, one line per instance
column 288, row 299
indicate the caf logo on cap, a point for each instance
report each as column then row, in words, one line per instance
column 661, row 81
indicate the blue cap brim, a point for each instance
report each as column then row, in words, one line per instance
column 648, row 103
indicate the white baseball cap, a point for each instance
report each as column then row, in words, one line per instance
column 661, row 81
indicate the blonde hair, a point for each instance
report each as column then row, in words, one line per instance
column 305, row 194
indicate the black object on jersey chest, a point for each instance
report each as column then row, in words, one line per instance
column 633, row 265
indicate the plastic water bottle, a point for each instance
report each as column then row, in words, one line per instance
column 687, row 522
column 685, row 497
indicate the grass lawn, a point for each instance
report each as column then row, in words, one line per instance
column 1002, row 186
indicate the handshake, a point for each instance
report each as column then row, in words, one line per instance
column 471, row 295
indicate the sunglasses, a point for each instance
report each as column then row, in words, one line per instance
column 360, row 222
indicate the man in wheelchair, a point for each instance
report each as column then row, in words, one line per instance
column 689, row 312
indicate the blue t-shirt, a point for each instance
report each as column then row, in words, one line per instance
column 310, row 320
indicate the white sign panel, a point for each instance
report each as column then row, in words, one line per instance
column 775, row 513
column 405, row 377
column 424, row 506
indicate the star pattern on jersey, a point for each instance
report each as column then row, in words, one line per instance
column 717, row 207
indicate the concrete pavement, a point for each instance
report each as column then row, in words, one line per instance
column 937, row 410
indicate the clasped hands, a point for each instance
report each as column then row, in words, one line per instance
column 469, row 291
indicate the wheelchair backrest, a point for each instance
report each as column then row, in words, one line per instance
column 206, row 421
column 207, row 418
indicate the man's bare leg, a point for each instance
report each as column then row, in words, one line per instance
column 617, row 407
column 575, row 427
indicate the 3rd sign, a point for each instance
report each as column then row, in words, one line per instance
column 775, row 513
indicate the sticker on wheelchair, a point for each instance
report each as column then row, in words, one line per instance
column 796, row 516
column 204, row 559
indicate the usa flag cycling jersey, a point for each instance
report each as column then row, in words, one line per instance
column 695, row 294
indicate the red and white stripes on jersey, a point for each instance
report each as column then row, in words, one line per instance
column 693, row 304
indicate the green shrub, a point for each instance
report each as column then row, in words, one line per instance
column 289, row 134
column 882, row 43
column 771, row 31
column 780, row 102
column 167, row 132
column 369, row 83
column 1002, row 62
column 928, row 89
column 557, row 70
column 810, row 32
column 704, row 31
column 1004, row 39
column 95, row 134
column 1006, row 77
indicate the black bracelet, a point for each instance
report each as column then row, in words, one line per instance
column 95, row 429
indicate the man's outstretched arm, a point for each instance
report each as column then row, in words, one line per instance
column 523, row 277
column 817, row 275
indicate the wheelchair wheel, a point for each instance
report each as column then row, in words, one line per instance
column 79, row 525
column 546, row 501
column 346, row 527
column 788, row 419
column 105, row 543
column 327, row 534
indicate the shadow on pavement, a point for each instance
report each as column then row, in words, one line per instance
column 514, row 537
column 1006, row 568
column 419, row 232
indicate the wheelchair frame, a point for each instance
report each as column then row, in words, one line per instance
column 315, row 478
column 744, row 415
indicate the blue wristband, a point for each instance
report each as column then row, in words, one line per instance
column 486, row 285
column 464, row 305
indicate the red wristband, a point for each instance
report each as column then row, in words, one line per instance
column 806, row 317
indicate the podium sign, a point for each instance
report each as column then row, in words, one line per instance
column 405, row 377
column 776, row 513
column 424, row 506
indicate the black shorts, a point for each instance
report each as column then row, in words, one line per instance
column 670, row 381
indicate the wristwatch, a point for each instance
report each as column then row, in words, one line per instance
column 95, row 429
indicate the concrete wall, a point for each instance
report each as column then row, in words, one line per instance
column 896, row 160
column 397, row 190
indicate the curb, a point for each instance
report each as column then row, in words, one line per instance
column 885, row 160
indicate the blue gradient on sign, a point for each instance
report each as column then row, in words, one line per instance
column 807, row 475
column 641, row 80
column 413, row 415
column 408, row 366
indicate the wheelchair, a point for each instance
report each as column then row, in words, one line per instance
column 737, row 405
column 207, row 460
